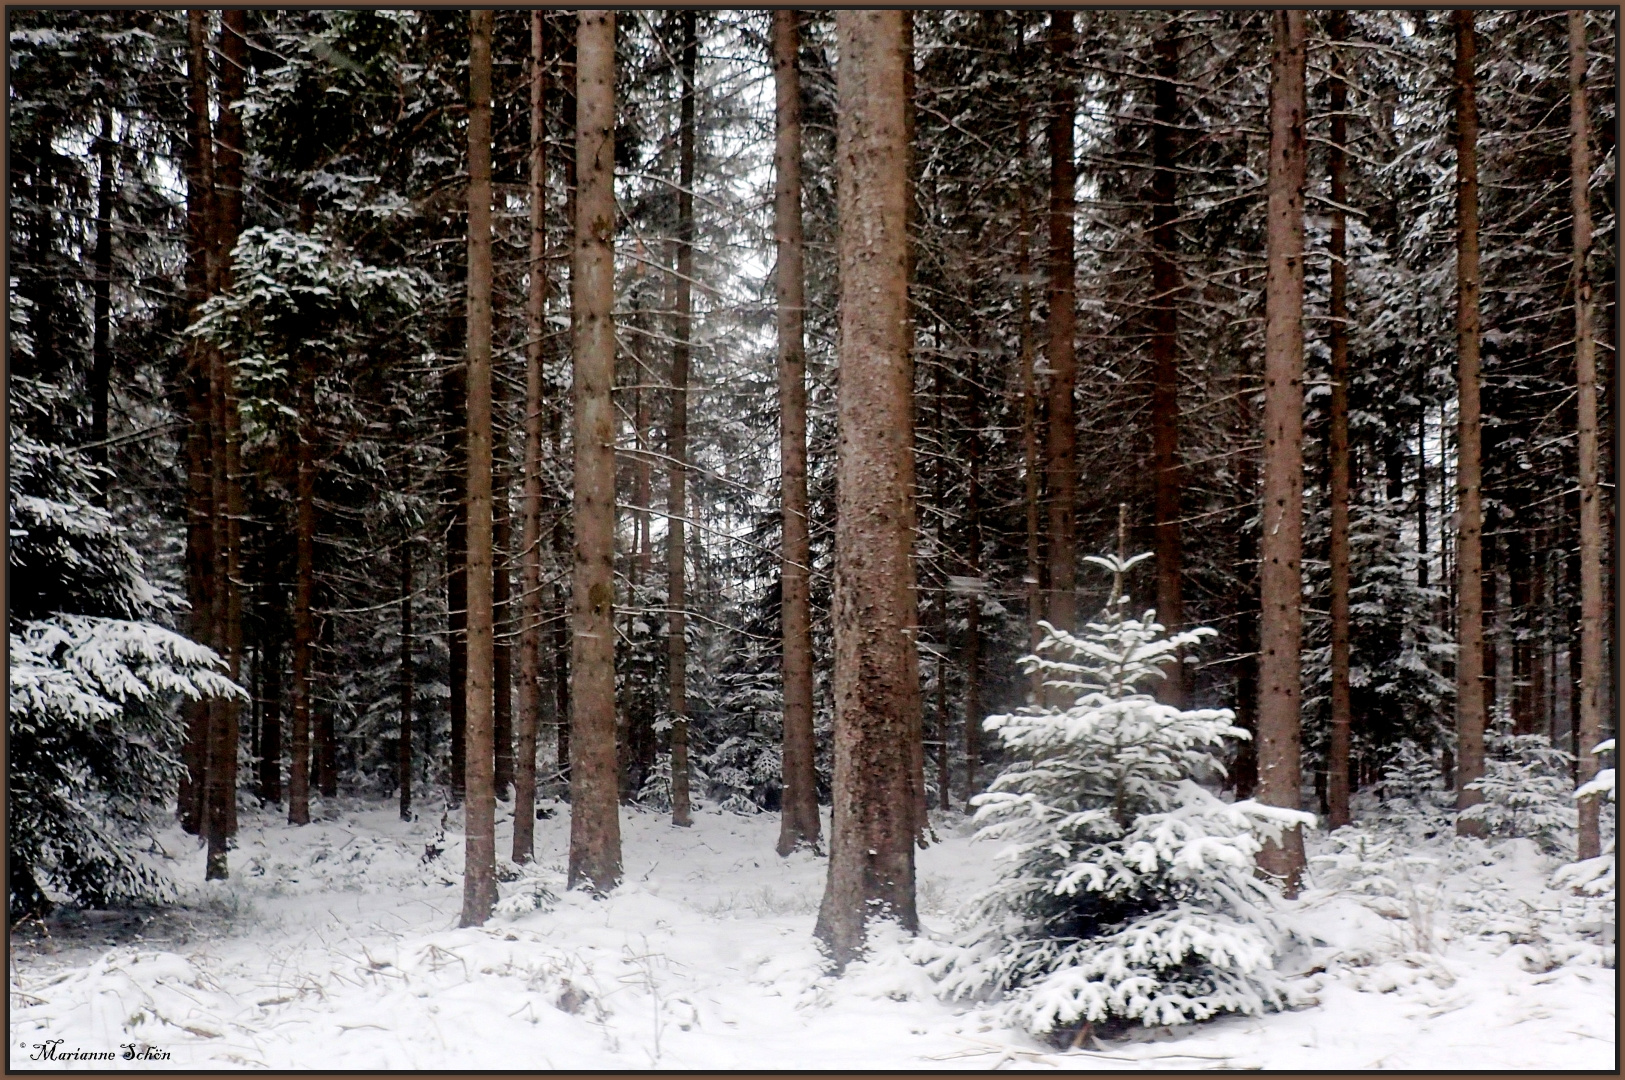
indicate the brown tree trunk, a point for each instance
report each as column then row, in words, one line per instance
column 502, row 612
column 1337, row 753
column 303, row 590
column 973, row 603
column 911, row 213
column 479, row 828
column 563, row 526
column 677, row 436
column 220, row 764
column 200, row 534
column 1519, row 617
column 1469, row 510
column 1281, row 545
column 1033, row 579
column 229, row 506
column 1244, row 770
column 454, row 393
column 101, row 351
column 1592, row 612
column 530, row 514
column 799, row 824
column 595, row 828
column 877, row 691
column 403, row 756
column 941, row 633
column 1061, row 467
column 270, row 746
column 1165, row 285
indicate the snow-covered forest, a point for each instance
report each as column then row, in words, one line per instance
column 763, row 539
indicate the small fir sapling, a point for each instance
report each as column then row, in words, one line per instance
column 1526, row 788
column 1595, row 877
column 1130, row 892
column 93, row 724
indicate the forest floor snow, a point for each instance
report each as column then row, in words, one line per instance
column 336, row 945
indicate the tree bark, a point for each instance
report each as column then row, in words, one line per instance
column 911, row 214
column 454, row 394
column 1281, row 547
column 479, row 872
column 1592, row 610
column 1337, row 754
column 229, row 506
column 1061, row 467
column 877, row 691
column 502, row 610
column 972, row 657
column 1519, row 618
column 303, row 590
column 1244, row 769
column 200, row 533
column 403, row 755
column 1469, row 510
column 1165, row 285
column 799, row 824
column 1033, row 580
column 595, row 830
column 270, row 746
column 530, row 514
column 220, row 744
column 677, row 435
column 101, row 352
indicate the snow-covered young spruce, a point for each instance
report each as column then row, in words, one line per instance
column 1131, row 893
column 92, row 719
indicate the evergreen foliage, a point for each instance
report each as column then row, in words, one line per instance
column 1130, row 892
column 94, row 684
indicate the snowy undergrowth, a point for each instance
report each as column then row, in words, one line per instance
column 342, row 951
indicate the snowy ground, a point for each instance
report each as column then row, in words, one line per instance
column 336, row 946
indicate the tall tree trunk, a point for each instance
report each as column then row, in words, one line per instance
column 101, row 352
column 799, row 824
column 564, row 625
column 1033, row 579
column 325, row 759
column 303, row 594
column 1337, row 754
column 941, row 632
column 229, row 506
column 595, row 828
column 911, row 214
column 973, row 604
column 1281, row 546
column 1165, row 285
column 220, row 767
column 1592, row 611
column 1519, row 617
column 1469, row 511
column 454, row 394
column 1244, row 769
column 403, row 755
column 877, row 690
column 200, row 555
column 502, row 610
column 530, row 515
column 1061, row 466
column 479, row 872
column 270, row 746
column 677, row 435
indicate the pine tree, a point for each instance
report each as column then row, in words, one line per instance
column 800, row 821
column 877, row 694
column 1281, row 550
column 595, row 835
column 1129, row 893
